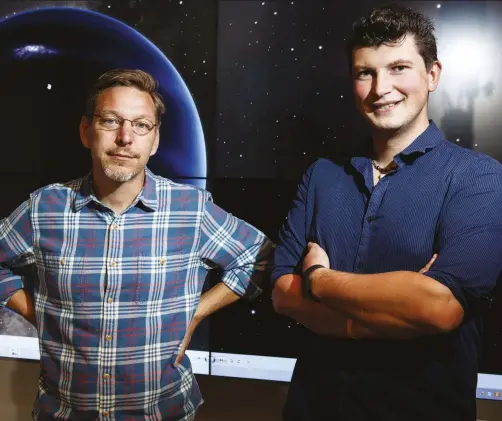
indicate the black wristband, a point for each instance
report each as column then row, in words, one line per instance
column 307, row 282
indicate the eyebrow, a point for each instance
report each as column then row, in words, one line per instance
column 391, row 64
column 118, row 115
column 399, row 61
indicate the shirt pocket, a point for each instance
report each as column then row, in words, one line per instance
column 160, row 280
column 64, row 278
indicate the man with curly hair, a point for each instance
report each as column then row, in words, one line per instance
column 397, row 333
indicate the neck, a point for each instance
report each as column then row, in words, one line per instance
column 117, row 196
column 387, row 144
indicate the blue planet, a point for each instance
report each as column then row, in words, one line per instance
column 50, row 58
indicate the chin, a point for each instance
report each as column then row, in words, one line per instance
column 119, row 174
column 388, row 123
column 388, row 126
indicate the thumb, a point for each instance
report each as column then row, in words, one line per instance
column 181, row 352
column 180, row 355
column 184, row 345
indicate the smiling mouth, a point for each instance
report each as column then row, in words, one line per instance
column 386, row 107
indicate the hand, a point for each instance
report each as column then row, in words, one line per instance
column 315, row 256
column 428, row 265
column 211, row 301
column 186, row 340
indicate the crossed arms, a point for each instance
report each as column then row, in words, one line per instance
column 401, row 304
column 392, row 305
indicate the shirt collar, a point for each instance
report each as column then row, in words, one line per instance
column 147, row 197
column 428, row 140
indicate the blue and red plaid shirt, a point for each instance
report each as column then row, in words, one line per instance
column 114, row 294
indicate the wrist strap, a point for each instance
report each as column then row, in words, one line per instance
column 307, row 283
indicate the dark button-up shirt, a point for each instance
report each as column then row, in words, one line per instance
column 441, row 199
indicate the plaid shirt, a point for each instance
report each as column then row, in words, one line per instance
column 114, row 294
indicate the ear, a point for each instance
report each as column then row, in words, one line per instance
column 434, row 75
column 155, row 142
column 84, row 125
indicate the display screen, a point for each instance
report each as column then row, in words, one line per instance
column 52, row 52
column 285, row 99
column 265, row 90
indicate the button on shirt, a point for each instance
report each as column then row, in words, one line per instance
column 115, row 293
column 441, row 199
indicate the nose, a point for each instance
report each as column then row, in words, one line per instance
column 382, row 84
column 125, row 133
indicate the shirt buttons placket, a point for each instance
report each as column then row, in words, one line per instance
column 113, row 264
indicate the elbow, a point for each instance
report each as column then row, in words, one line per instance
column 278, row 300
column 447, row 318
column 452, row 319
column 286, row 294
column 281, row 301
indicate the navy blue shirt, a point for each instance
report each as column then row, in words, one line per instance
column 441, row 199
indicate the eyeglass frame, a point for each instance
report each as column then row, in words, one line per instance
column 122, row 120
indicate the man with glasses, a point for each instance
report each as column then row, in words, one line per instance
column 120, row 258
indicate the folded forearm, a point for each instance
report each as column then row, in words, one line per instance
column 315, row 316
column 213, row 300
column 325, row 321
column 328, row 322
column 392, row 303
column 21, row 303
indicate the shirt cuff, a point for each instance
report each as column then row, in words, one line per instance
column 6, row 301
column 245, row 288
column 279, row 271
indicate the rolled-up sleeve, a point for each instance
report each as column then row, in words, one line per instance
column 293, row 240
column 15, row 249
column 469, row 237
column 241, row 251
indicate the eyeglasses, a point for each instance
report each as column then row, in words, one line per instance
column 140, row 126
